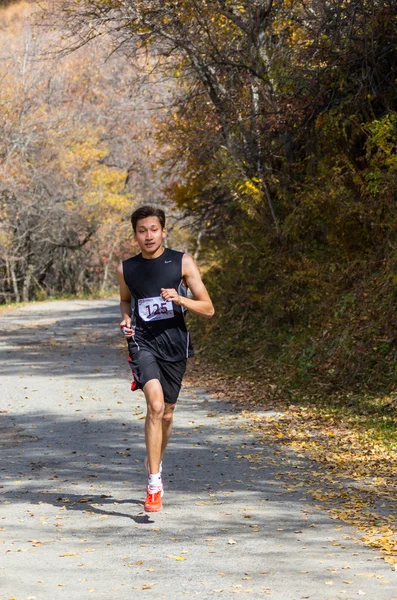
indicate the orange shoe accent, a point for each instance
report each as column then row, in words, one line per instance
column 153, row 502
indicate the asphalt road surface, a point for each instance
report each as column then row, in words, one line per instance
column 72, row 482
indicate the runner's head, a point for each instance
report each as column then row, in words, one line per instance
column 148, row 224
column 143, row 212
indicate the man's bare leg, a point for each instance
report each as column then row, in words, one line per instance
column 166, row 426
column 154, row 423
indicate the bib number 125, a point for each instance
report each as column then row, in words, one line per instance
column 155, row 309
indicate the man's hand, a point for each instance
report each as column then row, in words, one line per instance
column 170, row 295
column 126, row 328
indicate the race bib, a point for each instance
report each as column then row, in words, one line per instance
column 155, row 309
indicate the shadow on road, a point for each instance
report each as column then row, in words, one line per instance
column 30, row 343
column 212, row 465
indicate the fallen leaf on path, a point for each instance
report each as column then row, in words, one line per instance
column 148, row 586
column 176, row 557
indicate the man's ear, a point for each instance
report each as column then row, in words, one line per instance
column 164, row 234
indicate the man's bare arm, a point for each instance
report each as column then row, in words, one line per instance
column 125, row 303
column 201, row 303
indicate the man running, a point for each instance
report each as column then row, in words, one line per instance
column 152, row 303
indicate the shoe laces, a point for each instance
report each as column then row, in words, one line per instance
column 152, row 490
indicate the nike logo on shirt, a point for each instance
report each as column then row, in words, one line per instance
column 167, row 261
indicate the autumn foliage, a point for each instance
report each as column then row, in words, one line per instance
column 279, row 144
column 75, row 141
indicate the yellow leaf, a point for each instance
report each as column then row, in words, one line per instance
column 232, row 542
column 176, row 557
column 70, row 554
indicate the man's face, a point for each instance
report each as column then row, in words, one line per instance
column 149, row 236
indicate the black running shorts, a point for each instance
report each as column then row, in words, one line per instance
column 145, row 367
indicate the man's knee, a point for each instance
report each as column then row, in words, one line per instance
column 154, row 399
column 168, row 413
column 155, row 408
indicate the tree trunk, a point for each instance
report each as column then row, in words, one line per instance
column 256, row 111
column 26, row 283
column 106, row 270
column 198, row 244
column 17, row 297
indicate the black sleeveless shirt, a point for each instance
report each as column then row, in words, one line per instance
column 159, row 326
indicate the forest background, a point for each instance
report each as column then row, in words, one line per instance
column 268, row 130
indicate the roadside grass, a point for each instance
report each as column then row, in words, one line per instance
column 373, row 416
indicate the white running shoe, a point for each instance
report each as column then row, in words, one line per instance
column 146, row 463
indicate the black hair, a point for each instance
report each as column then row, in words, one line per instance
column 147, row 211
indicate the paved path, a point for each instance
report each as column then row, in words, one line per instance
column 72, row 481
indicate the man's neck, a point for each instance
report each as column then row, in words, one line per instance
column 156, row 254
